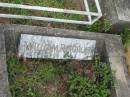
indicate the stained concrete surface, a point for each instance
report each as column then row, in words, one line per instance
column 4, row 85
column 128, row 57
column 118, row 12
column 108, row 46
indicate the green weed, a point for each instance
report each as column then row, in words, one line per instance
column 98, row 87
column 31, row 78
column 25, row 77
column 99, row 26
column 126, row 37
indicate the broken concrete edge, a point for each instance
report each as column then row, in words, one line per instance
column 4, row 83
column 117, row 12
column 113, row 44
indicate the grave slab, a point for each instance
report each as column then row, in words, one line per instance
column 36, row 46
column 118, row 12
column 108, row 45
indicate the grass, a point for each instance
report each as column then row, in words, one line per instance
column 128, row 40
column 25, row 79
column 100, row 26
column 58, row 78
column 51, row 3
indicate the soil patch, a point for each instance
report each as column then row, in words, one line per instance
column 58, row 78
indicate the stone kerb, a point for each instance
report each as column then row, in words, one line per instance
column 109, row 46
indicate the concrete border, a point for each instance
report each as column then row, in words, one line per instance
column 4, row 84
column 113, row 51
column 117, row 12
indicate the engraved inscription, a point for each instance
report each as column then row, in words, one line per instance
column 36, row 46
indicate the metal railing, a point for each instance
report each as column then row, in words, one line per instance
column 87, row 13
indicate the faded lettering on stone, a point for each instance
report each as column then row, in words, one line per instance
column 36, row 46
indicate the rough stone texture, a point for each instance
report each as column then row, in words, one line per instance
column 128, row 57
column 122, row 88
column 123, row 9
column 108, row 46
column 118, row 12
column 4, row 85
column 2, row 43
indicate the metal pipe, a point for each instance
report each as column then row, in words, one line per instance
column 98, row 7
column 8, row 5
column 50, row 9
column 43, row 18
column 87, row 9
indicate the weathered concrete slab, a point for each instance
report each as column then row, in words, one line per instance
column 117, row 66
column 109, row 46
column 128, row 57
column 2, row 43
column 3, row 75
column 118, row 12
column 4, row 85
column 123, row 9
column 37, row 46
